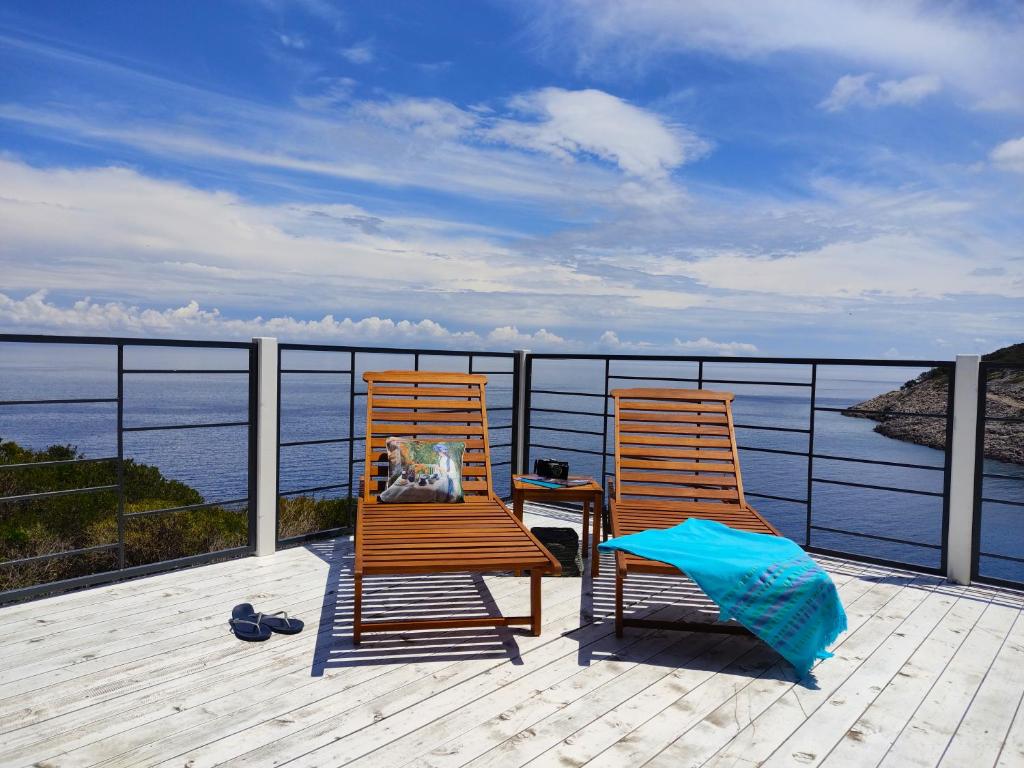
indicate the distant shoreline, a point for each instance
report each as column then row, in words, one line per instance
column 927, row 394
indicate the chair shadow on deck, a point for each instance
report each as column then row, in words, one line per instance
column 668, row 598
column 407, row 596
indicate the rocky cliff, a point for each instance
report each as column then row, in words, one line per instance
column 1004, row 440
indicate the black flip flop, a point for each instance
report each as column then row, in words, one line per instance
column 250, row 630
column 278, row 622
column 282, row 625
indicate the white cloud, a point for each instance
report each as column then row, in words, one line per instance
column 566, row 124
column 858, row 90
column 429, row 118
column 35, row 312
column 885, row 265
column 974, row 47
column 704, row 345
column 1009, row 155
column 360, row 53
column 294, row 41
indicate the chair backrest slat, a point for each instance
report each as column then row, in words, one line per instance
column 676, row 447
column 432, row 406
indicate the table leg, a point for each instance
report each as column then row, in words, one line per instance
column 586, row 527
column 595, row 557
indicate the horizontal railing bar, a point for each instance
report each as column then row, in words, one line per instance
column 64, row 401
column 901, row 564
column 875, row 537
column 572, row 394
column 1011, row 558
column 869, row 486
column 567, row 429
column 801, row 430
column 563, row 448
column 61, row 463
column 776, row 498
column 493, row 373
column 324, row 441
column 55, row 555
column 501, row 445
column 992, row 475
column 312, row 370
column 186, row 507
column 35, row 590
column 55, row 494
column 314, row 489
column 652, row 378
column 830, row 457
column 393, row 350
column 1005, row 419
column 824, row 361
column 573, row 413
column 327, row 533
column 186, row 426
column 760, row 383
column 27, row 338
column 186, row 370
column 493, row 427
column 860, row 412
column 780, row 451
column 500, row 463
column 1006, row 502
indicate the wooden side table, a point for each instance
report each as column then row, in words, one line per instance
column 590, row 495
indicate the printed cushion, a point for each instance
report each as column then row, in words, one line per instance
column 422, row 471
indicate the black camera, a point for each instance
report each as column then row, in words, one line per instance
column 552, row 469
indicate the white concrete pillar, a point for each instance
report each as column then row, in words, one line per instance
column 962, row 461
column 266, row 445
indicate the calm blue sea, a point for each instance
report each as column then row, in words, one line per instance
column 315, row 407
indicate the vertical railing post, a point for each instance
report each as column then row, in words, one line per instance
column 265, row 463
column 520, row 405
column 961, row 469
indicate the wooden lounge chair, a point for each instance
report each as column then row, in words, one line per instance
column 479, row 535
column 675, row 458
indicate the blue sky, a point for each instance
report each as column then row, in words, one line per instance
column 835, row 178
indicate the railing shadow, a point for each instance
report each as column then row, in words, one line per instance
column 403, row 597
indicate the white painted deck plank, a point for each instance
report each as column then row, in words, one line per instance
column 979, row 738
column 925, row 737
column 868, row 739
column 137, row 695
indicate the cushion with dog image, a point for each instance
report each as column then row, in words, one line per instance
column 423, row 471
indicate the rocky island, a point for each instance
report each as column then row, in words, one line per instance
column 1004, row 440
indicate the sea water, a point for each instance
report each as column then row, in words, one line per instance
column 315, row 406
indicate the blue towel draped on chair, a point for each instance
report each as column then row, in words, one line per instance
column 767, row 583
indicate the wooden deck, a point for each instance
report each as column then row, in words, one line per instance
column 146, row 673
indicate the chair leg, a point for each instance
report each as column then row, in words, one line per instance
column 357, row 612
column 535, row 601
column 620, row 577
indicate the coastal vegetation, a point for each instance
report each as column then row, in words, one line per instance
column 55, row 524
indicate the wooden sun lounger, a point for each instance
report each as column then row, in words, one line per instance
column 479, row 535
column 675, row 458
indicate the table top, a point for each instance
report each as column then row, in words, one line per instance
column 591, row 486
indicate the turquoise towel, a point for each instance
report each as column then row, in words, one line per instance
column 767, row 583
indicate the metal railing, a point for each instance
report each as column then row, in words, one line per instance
column 989, row 502
column 354, row 361
column 601, row 448
column 121, row 565
column 313, row 444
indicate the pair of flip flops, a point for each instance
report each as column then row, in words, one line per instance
column 249, row 624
